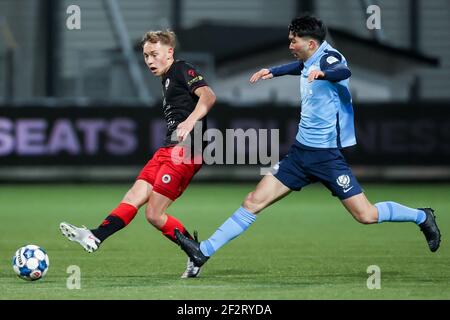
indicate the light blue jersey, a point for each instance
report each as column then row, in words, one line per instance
column 326, row 104
column 326, row 125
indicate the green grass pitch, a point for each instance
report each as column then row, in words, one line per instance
column 303, row 247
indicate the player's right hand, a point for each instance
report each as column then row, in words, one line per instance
column 264, row 74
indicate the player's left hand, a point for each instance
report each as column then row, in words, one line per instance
column 315, row 74
column 183, row 129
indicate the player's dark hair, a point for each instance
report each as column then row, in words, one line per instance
column 308, row 26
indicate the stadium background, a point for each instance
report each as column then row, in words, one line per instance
column 80, row 114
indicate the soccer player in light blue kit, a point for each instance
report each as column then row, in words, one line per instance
column 326, row 126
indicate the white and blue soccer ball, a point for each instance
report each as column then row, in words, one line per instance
column 30, row 262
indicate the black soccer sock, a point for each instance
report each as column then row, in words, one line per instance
column 110, row 225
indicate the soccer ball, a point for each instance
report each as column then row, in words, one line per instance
column 30, row 262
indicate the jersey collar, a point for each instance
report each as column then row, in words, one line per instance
column 316, row 55
column 165, row 75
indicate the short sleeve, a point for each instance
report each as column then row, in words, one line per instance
column 333, row 67
column 329, row 60
column 191, row 77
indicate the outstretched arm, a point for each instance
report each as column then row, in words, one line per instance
column 293, row 68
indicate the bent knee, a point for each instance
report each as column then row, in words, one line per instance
column 135, row 198
column 153, row 216
column 253, row 204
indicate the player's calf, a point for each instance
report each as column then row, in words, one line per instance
column 366, row 217
column 253, row 204
column 154, row 217
column 361, row 209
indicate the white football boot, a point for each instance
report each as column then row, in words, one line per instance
column 191, row 270
column 83, row 236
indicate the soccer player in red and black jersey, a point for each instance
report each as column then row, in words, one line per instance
column 187, row 100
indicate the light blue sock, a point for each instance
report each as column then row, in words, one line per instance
column 230, row 229
column 392, row 211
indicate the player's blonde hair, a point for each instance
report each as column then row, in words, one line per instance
column 165, row 37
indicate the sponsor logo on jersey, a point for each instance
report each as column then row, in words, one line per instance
column 191, row 72
column 196, row 79
column 332, row 60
